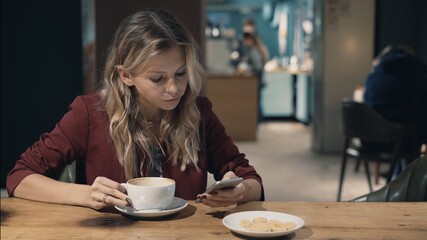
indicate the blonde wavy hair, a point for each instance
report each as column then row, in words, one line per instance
column 138, row 38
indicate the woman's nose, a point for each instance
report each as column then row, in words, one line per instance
column 172, row 86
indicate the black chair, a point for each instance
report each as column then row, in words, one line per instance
column 409, row 186
column 360, row 122
column 69, row 174
column 74, row 172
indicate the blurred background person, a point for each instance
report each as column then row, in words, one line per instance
column 396, row 88
column 245, row 59
column 250, row 62
column 249, row 26
column 250, row 58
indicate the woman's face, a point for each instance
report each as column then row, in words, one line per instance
column 162, row 82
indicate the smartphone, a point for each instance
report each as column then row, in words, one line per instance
column 224, row 184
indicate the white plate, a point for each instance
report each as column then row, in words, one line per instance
column 177, row 205
column 232, row 222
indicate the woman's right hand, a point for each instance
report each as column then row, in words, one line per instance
column 105, row 192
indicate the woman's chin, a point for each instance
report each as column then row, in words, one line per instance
column 170, row 106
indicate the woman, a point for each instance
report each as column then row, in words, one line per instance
column 146, row 120
column 251, row 55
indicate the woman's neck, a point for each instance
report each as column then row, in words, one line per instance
column 151, row 113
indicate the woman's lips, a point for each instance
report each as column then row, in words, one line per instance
column 173, row 99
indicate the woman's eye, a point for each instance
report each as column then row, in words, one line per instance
column 180, row 74
column 156, row 79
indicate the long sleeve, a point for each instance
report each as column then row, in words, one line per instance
column 217, row 155
column 81, row 135
column 222, row 154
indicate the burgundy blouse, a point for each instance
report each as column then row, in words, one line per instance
column 82, row 135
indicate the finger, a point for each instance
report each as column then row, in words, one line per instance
column 229, row 174
column 224, row 199
column 105, row 192
column 106, row 199
column 236, row 192
column 109, row 187
column 214, row 198
column 109, row 183
column 122, row 188
column 110, row 200
column 215, row 203
column 100, row 197
column 114, row 193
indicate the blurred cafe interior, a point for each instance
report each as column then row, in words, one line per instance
column 286, row 119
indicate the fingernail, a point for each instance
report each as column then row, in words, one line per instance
column 129, row 202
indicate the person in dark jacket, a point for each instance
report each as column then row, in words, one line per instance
column 397, row 88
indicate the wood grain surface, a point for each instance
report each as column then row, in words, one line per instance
column 24, row 219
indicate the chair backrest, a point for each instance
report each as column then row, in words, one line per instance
column 361, row 121
column 74, row 172
column 409, row 186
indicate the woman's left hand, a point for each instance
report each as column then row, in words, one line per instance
column 226, row 197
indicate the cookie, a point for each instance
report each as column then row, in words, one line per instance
column 259, row 220
column 245, row 223
column 262, row 224
column 259, row 227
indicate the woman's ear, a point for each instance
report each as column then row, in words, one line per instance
column 125, row 76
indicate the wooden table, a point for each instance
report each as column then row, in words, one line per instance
column 23, row 219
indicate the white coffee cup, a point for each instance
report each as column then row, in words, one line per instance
column 150, row 192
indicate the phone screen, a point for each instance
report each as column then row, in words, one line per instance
column 224, row 184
